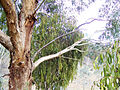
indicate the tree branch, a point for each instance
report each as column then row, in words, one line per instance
column 74, row 30
column 5, row 41
column 38, row 7
column 78, row 50
column 45, row 58
column 5, row 75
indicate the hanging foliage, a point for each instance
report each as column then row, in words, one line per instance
column 58, row 72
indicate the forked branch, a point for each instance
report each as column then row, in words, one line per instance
column 49, row 57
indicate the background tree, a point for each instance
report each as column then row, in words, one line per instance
column 110, row 11
column 96, row 47
column 112, row 31
column 109, row 59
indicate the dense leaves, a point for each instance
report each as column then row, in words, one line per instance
column 58, row 72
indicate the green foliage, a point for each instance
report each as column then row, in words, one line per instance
column 3, row 25
column 110, row 64
column 58, row 72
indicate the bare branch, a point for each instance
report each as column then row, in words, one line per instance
column 49, row 57
column 5, row 41
column 74, row 30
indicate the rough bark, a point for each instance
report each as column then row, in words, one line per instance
column 20, row 74
column 20, row 29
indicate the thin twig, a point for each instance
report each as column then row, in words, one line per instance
column 5, row 75
column 38, row 7
column 69, row 58
column 78, row 50
column 83, row 44
column 74, row 30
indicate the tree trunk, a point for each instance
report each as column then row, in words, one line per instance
column 20, row 27
column 21, row 74
column 21, row 65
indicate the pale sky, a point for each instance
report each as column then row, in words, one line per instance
column 91, row 12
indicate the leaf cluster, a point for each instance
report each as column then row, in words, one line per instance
column 110, row 62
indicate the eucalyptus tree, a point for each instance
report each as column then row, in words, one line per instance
column 20, row 20
column 110, row 63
